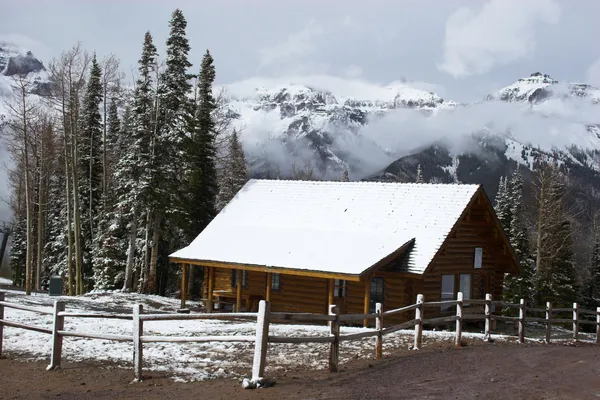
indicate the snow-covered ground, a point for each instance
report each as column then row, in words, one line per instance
column 5, row 282
column 197, row 361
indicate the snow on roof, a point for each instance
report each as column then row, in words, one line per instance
column 333, row 227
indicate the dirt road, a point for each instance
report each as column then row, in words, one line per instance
column 490, row 371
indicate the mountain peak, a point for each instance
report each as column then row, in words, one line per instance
column 15, row 60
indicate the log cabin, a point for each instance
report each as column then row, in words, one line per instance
column 302, row 245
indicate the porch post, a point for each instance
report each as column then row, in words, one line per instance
column 331, row 287
column 183, row 284
column 238, row 300
column 211, row 287
column 367, row 300
column 269, row 287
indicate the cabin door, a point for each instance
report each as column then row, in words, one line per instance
column 339, row 294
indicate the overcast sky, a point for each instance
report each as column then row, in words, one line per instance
column 461, row 48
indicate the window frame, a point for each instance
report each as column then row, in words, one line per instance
column 234, row 278
column 340, row 288
column 372, row 301
column 275, row 277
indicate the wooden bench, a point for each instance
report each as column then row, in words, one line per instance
column 226, row 297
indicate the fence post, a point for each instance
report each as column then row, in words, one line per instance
column 379, row 327
column 488, row 318
column 334, row 347
column 138, row 332
column 57, row 339
column 2, row 297
column 262, row 340
column 459, row 312
column 419, row 326
column 522, row 321
column 548, row 322
column 597, row 324
column 575, row 321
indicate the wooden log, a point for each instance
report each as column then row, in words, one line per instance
column 301, row 317
column 357, row 317
column 505, row 304
column 404, row 325
column 187, row 317
column 90, row 335
column 330, row 290
column 211, row 288
column 598, row 325
column 238, row 293
column 459, row 311
column 440, row 320
column 419, row 325
column 301, row 339
column 537, row 319
column 540, row 310
column 575, row 321
column 548, row 322
column 138, row 344
column 488, row 318
column 183, row 284
column 196, row 339
column 95, row 315
column 379, row 327
column 2, row 297
column 269, row 286
column 587, row 312
column 475, row 302
column 262, row 340
column 39, row 310
column 402, row 309
column 522, row 310
column 562, row 310
column 367, row 301
column 358, row 335
column 334, row 347
column 561, row 320
column 441, row 303
column 58, row 325
column 33, row 328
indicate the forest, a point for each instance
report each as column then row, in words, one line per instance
column 108, row 179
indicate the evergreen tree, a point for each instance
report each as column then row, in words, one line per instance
column 201, row 152
column 55, row 249
column 90, row 162
column 518, row 286
column 234, row 172
column 18, row 249
column 589, row 296
column 502, row 207
column 419, row 175
column 346, row 176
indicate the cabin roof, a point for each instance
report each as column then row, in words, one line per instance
column 331, row 227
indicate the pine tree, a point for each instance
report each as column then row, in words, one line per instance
column 346, row 176
column 55, row 249
column 201, row 152
column 234, row 172
column 168, row 171
column 134, row 145
column 589, row 295
column 90, row 162
column 419, row 175
column 519, row 286
column 18, row 249
column 502, row 206
column 555, row 267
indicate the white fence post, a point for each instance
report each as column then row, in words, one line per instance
column 334, row 347
column 262, row 340
column 2, row 297
column 419, row 326
column 575, row 321
column 379, row 327
column 548, row 322
column 488, row 318
column 522, row 311
column 459, row 312
column 597, row 324
column 138, row 332
column 57, row 339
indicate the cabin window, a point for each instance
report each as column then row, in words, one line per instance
column 275, row 282
column 447, row 290
column 465, row 285
column 339, row 288
column 234, row 278
column 478, row 257
column 377, row 295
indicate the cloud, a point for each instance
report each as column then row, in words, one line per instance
column 353, row 71
column 296, row 45
column 502, row 32
column 593, row 73
column 22, row 44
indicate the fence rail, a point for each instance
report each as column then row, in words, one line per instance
column 264, row 317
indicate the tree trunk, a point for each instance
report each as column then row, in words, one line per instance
column 76, row 210
column 40, row 210
column 145, row 259
column 154, row 255
column 69, row 226
column 127, row 285
column 191, row 275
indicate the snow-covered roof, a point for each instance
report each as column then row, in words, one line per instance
column 332, row 227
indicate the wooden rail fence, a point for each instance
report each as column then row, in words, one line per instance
column 264, row 318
